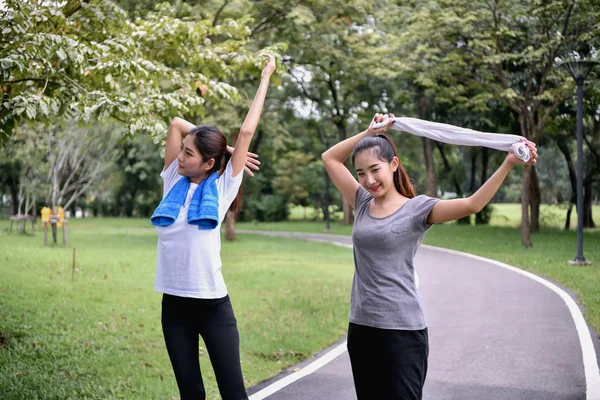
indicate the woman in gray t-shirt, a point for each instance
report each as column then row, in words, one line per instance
column 387, row 334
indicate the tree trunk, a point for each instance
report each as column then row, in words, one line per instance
column 430, row 167
column 485, row 161
column 473, row 169
column 525, row 230
column 256, row 140
column 230, row 219
column 535, row 198
column 428, row 150
column 346, row 207
column 588, row 221
column 459, row 193
column 14, row 195
column 564, row 149
column 569, row 210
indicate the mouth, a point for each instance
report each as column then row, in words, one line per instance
column 180, row 166
column 374, row 188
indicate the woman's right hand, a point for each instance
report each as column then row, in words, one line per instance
column 377, row 119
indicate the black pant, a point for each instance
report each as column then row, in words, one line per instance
column 388, row 364
column 183, row 319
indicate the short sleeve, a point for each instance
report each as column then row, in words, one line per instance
column 228, row 185
column 423, row 206
column 362, row 199
column 170, row 177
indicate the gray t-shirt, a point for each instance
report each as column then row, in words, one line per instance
column 384, row 294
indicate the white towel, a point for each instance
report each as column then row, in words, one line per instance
column 462, row 136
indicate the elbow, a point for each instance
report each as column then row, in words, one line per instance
column 473, row 207
column 175, row 123
column 247, row 133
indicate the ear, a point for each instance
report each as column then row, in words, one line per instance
column 209, row 164
column 395, row 163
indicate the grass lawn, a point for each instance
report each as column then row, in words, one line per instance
column 99, row 336
column 552, row 247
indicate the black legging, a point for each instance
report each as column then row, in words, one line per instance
column 388, row 364
column 183, row 319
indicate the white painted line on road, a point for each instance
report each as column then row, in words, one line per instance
column 590, row 362
column 309, row 369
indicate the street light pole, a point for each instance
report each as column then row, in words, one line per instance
column 579, row 258
column 579, row 70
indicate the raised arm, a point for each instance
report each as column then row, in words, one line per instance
column 175, row 135
column 450, row 210
column 334, row 158
column 238, row 159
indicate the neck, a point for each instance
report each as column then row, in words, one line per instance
column 197, row 179
column 392, row 196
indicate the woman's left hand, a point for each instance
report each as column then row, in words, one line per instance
column 251, row 161
column 514, row 160
column 269, row 67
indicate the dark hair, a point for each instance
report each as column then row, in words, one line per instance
column 384, row 149
column 212, row 143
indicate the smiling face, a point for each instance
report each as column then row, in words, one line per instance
column 374, row 174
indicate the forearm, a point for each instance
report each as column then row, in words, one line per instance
column 253, row 116
column 341, row 151
column 486, row 192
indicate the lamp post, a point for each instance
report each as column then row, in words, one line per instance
column 579, row 70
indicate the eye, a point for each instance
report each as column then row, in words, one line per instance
column 189, row 154
column 375, row 170
column 360, row 174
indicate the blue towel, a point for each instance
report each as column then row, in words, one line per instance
column 204, row 207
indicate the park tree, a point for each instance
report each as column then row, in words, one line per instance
column 335, row 53
column 87, row 61
column 504, row 50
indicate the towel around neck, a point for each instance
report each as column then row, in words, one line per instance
column 204, row 207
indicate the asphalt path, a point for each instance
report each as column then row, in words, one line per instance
column 495, row 332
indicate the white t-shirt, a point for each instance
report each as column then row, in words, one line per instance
column 188, row 263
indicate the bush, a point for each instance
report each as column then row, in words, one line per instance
column 265, row 208
column 484, row 216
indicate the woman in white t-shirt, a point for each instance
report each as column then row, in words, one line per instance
column 188, row 268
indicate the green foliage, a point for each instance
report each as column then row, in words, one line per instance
column 267, row 207
column 88, row 61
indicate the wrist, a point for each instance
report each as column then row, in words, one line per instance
column 509, row 161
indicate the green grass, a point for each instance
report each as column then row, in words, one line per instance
column 552, row 248
column 99, row 336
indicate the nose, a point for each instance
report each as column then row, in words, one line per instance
column 370, row 180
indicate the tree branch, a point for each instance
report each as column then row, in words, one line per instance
column 218, row 14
